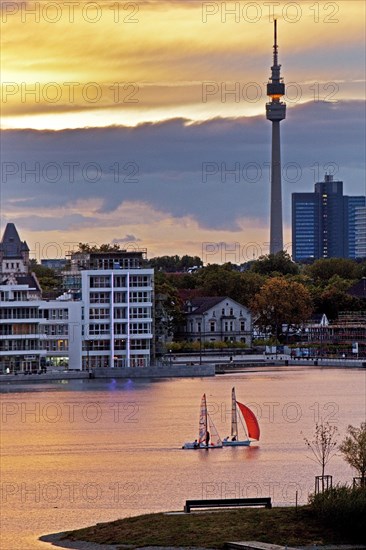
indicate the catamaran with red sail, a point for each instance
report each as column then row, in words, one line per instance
column 247, row 420
column 208, row 437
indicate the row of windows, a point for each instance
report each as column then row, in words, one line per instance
column 18, row 329
column 55, row 314
column 12, row 265
column 119, row 328
column 19, row 345
column 56, row 345
column 119, row 281
column 19, row 313
column 119, row 297
column 228, row 326
column 54, row 330
column 120, row 313
column 103, row 361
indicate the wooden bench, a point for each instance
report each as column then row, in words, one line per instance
column 227, row 502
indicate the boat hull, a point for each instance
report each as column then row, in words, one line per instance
column 190, row 446
column 236, row 443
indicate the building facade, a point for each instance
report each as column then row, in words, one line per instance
column 36, row 334
column 360, row 232
column 103, row 319
column 216, row 319
column 324, row 222
column 118, row 317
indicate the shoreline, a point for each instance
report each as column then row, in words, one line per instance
column 180, row 371
column 55, row 539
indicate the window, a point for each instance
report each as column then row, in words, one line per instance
column 242, row 325
column 98, row 313
column 140, row 328
column 100, row 281
column 57, row 314
column 120, row 297
column 119, row 328
column 120, row 281
column 120, row 313
column 140, row 280
column 231, row 311
column 95, row 330
column 140, row 344
column 99, row 297
column 140, row 313
column 140, row 296
column 212, row 326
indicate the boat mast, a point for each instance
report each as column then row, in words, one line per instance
column 234, row 418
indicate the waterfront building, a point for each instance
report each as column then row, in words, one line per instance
column 36, row 334
column 105, row 319
column 116, row 289
column 216, row 319
column 324, row 222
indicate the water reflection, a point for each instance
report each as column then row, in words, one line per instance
column 90, row 451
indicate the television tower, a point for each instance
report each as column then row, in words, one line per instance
column 276, row 111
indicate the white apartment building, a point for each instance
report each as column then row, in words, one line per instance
column 110, row 324
column 36, row 334
column 118, row 317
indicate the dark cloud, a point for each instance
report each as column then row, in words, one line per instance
column 126, row 239
column 179, row 168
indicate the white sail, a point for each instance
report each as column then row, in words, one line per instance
column 202, row 427
column 234, row 417
column 208, row 437
column 215, row 439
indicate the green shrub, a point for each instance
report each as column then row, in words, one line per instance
column 342, row 508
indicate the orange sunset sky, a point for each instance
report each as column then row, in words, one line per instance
column 146, row 86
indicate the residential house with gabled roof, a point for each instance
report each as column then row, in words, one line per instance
column 216, row 318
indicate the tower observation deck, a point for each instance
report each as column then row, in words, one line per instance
column 276, row 111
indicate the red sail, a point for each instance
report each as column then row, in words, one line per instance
column 250, row 420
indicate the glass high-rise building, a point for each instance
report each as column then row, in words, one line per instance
column 324, row 222
column 360, row 232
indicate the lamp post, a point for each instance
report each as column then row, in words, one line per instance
column 170, row 358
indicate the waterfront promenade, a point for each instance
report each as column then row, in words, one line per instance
column 183, row 367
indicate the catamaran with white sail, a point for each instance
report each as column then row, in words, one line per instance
column 247, row 420
column 208, row 437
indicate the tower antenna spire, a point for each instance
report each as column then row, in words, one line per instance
column 275, row 46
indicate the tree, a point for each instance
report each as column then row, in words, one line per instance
column 324, row 269
column 279, row 263
column 281, row 302
column 175, row 263
column 353, row 449
column 331, row 301
column 48, row 278
column 323, row 446
column 87, row 248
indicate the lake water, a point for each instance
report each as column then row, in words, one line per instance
column 82, row 452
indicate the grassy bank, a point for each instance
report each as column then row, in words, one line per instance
column 284, row 526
